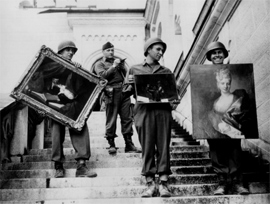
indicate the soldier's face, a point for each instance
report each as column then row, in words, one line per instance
column 156, row 52
column 108, row 53
column 217, row 56
column 68, row 53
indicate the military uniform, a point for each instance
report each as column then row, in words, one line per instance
column 117, row 103
column 153, row 124
column 76, row 84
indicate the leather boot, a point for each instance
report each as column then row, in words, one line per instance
column 150, row 191
column 238, row 187
column 130, row 146
column 112, row 148
column 164, row 190
column 83, row 171
column 222, row 185
column 59, row 170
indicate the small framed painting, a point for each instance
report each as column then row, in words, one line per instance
column 155, row 88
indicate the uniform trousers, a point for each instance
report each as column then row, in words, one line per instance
column 80, row 141
column 120, row 105
column 153, row 125
column 225, row 155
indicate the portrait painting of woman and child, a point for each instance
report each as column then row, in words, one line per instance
column 223, row 101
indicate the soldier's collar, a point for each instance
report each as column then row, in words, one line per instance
column 108, row 59
column 145, row 63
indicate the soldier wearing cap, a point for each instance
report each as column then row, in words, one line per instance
column 225, row 154
column 77, row 96
column 117, row 103
column 153, row 123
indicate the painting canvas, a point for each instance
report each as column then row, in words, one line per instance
column 223, row 101
column 155, row 88
column 54, row 86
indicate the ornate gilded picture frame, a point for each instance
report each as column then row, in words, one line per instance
column 223, row 101
column 55, row 87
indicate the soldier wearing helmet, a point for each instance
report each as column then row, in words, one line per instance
column 150, row 42
column 66, row 44
column 213, row 47
column 73, row 94
column 225, row 154
column 152, row 123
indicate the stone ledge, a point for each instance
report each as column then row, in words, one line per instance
column 227, row 199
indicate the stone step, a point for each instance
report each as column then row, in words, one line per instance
column 99, row 150
column 99, row 140
column 46, row 194
column 228, row 199
column 132, row 171
column 178, row 130
column 105, row 156
column 49, row 173
column 136, row 182
column 113, row 163
column 182, row 139
column 113, row 181
column 176, row 143
column 184, row 135
column 97, row 144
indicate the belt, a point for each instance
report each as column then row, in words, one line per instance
column 115, row 85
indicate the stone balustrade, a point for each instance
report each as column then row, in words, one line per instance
column 14, row 139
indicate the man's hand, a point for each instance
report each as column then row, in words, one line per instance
column 130, row 79
column 41, row 113
column 174, row 103
column 116, row 62
column 77, row 65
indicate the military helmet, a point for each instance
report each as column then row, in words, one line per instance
column 215, row 45
column 152, row 41
column 66, row 44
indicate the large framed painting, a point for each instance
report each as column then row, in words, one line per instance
column 53, row 86
column 223, row 101
column 155, row 88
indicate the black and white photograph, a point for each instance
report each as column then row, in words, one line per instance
column 134, row 101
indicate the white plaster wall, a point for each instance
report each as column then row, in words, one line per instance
column 128, row 42
column 247, row 34
column 189, row 12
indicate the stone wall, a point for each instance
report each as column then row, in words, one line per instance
column 247, row 36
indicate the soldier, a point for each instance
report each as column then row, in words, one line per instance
column 116, row 101
column 77, row 96
column 153, row 123
column 225, row 154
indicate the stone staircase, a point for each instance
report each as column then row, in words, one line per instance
column 31, row 179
